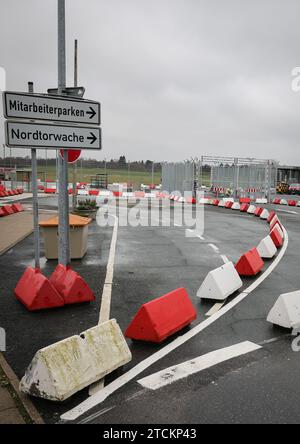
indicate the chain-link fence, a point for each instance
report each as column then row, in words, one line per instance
column 179, row 177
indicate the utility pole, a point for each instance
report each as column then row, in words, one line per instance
column 63, row 196
column 35, row 202
column 74, row 199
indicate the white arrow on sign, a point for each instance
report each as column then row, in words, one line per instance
column 44, row 107
column 40, row 135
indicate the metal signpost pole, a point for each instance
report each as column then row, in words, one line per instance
column 35, row 203
column 74, row 199
column 63, row 196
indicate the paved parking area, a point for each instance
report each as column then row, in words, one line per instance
column 151, row 261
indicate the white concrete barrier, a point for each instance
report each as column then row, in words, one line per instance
column 266, row 248
column 279, row 230
column 262, row 201
column 251, row 209
column 220, row 283
column 236, row 206
column 286, row 311
column 62, row 369
column 265, row 214
column 222, row 203
column 283, row 202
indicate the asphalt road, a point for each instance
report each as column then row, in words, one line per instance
column 150, row 261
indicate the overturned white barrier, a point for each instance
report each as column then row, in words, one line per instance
column 265, row 214
column 62, row 369
column 286, row 311
column 220, row 283
column 262, row 201
column 236, row 206
column 251, row 209
column 266, row 248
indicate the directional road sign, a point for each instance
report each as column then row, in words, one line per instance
column 43, row 107
column 39, row 135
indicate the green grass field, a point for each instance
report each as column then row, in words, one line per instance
column 114, row 176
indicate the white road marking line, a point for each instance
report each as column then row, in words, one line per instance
column 99, row 397
column 225, row 259
column 215, row 308
column 214, row 247
column 96, row 415
column 286, row 211
column 107, row 289
column 106, row 294
column 185, row 369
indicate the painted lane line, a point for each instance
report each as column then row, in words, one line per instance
column 215, row 308
column 96, row 415
column 289, row 212
column 225, row 259
column 106, row 294
column 214, row 247
column 107, row 289
column 99, row 397
column 185, row 369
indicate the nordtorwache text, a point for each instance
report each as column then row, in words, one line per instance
column 40, row 135
column 15, row 105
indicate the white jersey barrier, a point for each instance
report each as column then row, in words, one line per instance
column 286, row 311
column 236, row 206
column 220, row 283
column 251, row 209
column 266, row 248
column 62, row 369
column 265, row 214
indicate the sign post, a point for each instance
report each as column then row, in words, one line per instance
column 35, row 202
column 63, row 195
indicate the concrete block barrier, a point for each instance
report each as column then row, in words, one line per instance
column 265, row 214
column 251, row 209
column 267, row 248
column 66, row 367
column 162, row 317
column 286, row 311
column 250, row 264
column 271, row 216
column 283, row 202
column 258, row 211
column 222, row 204
column 262, row 201
column 276, row 237
column 236, row 206
column 220, row 283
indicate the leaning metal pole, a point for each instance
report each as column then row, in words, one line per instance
column 63, row 195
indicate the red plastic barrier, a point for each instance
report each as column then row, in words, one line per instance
column 292, row 203
column 274, row 222
column 244, row 208
column 2, row 213
column 258, row 211
column 228, row 204
column 191, row 200
column 277, row 201
column 70, row 285
column 93, row 192
column 117, row 193
column 7, row 210
column 50, row 191
column 17, row 208
column 245, row 200
column 276, row 237
column 35, row 291
column 216, row 202
column 250, row 264
column 2, row 194
column 162, row 317
column 271, row 216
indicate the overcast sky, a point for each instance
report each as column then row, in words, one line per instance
column 176, row 78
